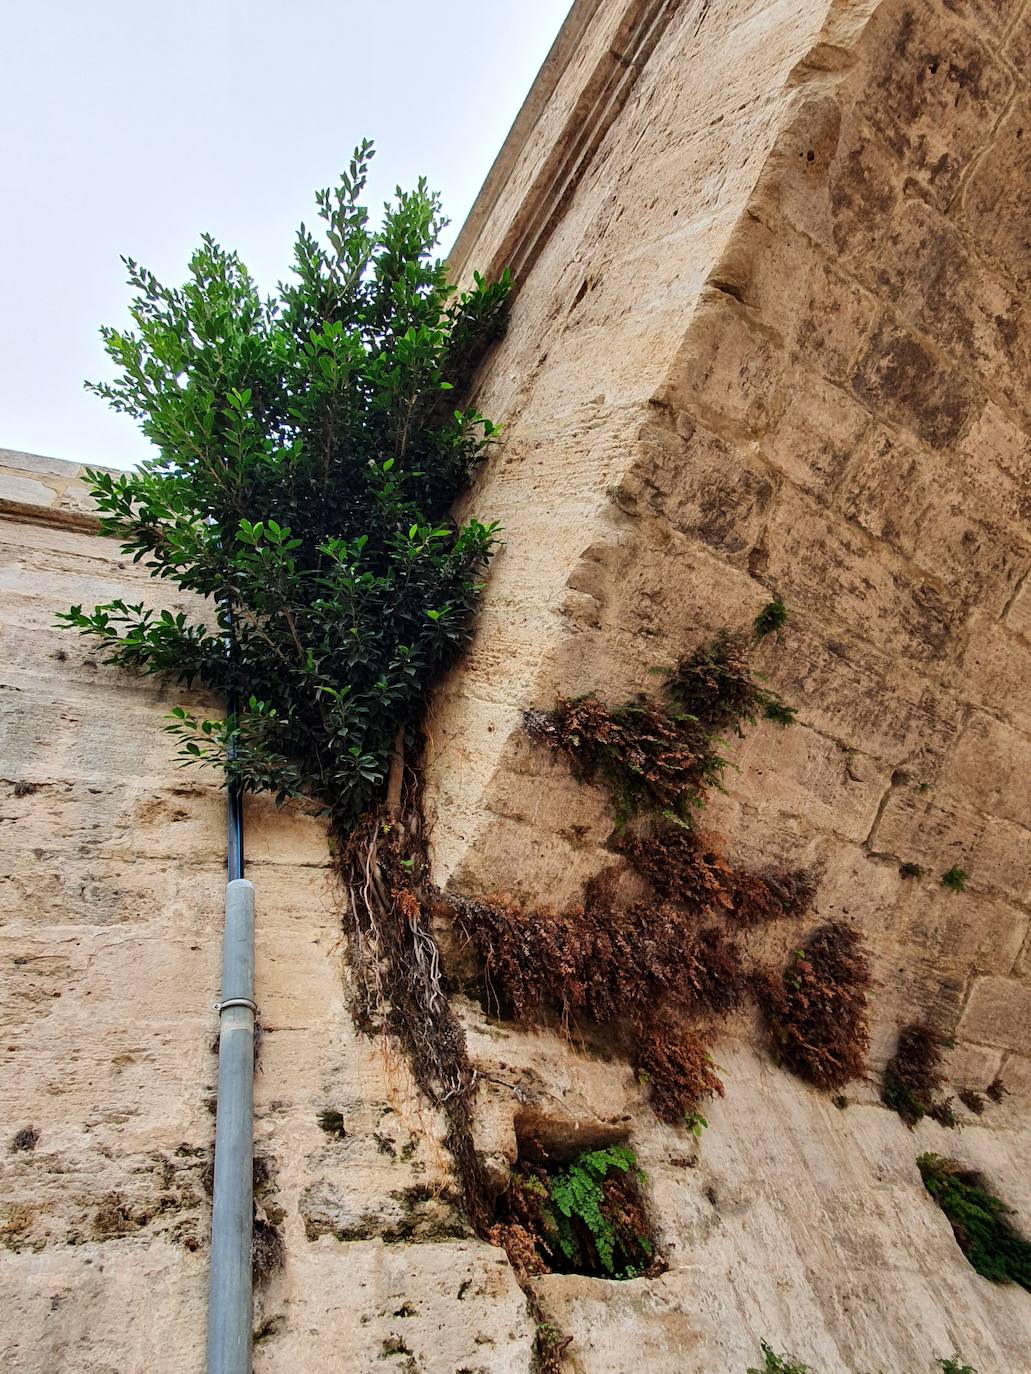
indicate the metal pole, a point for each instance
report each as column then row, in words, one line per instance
column 229, row 1305
column 234, row 831
column 230, row 1314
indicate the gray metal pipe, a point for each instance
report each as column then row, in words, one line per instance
column 230, row 1297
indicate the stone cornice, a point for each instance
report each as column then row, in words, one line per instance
column 602, row 89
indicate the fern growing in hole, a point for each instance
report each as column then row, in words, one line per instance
column 578, row 1196
column 585, row 1217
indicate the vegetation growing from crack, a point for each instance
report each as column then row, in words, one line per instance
column 913, row 1076
column 816, row 1008
column 979, row 1221
column 663, row 756
column 771, row 619
column 790, row 1364
column 660, row 971
column 955, row 879
column 778, row 1364
column 584, row 1217
column 308, row 455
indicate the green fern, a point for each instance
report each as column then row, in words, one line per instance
column 979, row 1221
column 578, row 1205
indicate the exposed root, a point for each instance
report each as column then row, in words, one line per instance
column 396, row 975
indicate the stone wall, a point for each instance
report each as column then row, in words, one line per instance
column 773, row 341
column 769, row 337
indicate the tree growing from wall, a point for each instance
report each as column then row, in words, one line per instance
column 309, row 454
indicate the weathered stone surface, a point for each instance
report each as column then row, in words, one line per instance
column 901, row 379
column 936, row 91
column 769, row 339
column 900, row 491
column 999, row 1013
column 843, row 424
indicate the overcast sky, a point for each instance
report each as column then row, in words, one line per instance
column 131, row 126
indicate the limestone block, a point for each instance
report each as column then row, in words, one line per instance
column 444, row 1307
column 935, row 92
column 817, row 433
column 995, row 202
column 999, row 1013
column 1016, row 1074
column 864, row 186
column 913, row 498
column 841, row 792
column 937, row 833
column 936, row 284
column 58, row 1303
column 861, row 698
column 991, row 762
column 727, row 371
column 25, row 490
column 995, row 464
column 39, row 465
column 973, row 1066
column 831, row 572
column 716, row 493
column 1018, row 614
column 834, row 325
column 900, row 379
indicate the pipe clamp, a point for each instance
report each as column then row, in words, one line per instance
column 220, row 1007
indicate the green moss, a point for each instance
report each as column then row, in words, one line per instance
column 955, row 879
column 770, row 619
column 979, row 1221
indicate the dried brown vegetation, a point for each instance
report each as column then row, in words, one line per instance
column 678, row 1067
column 645, row 968
column 913, row 1076
column 659, row 756
column 658, row 971
column 996, row 1090
column 816, row 1008
column 973, row 1101
column 691, row 869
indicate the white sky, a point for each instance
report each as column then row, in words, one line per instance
column 131, row 126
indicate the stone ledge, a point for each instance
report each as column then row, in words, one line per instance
column 45, row 491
